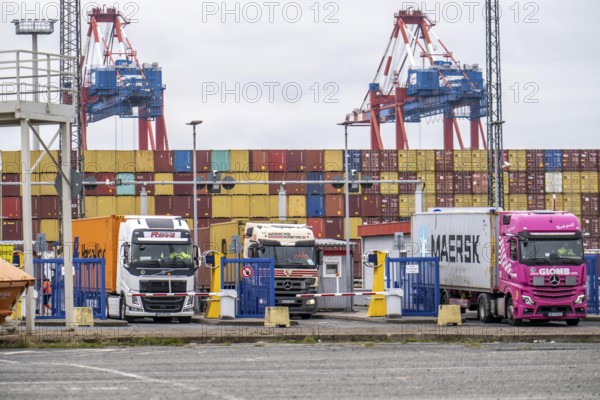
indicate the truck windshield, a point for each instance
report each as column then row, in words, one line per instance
column 292, row 257
column 549, row 251
column 162, row 253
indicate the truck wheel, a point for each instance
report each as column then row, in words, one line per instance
column 483, row 308
column 444, row 298
column 572, row 322
column 510, row 309
column 122, row 307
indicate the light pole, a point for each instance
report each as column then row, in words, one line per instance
column 350, row 265
column 194, row 178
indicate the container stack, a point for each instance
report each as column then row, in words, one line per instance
column 534, row 180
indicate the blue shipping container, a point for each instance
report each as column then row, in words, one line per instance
column 355, row 160
column 220, row 160
column 315, row 206
column 315, row 188
column 553, row 160
column 182, row 161
column 126, row 190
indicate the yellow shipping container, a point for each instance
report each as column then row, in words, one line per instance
column 480, row 200
column 43, row 190
column 571, row 182
column 46, row 165
column 106, row 205
column 429, row 179
column 355, row 222
column 239, row 160
column 126, row 205
column 260, row 207
column 334, row 160
column 516, row 202
column 428, row 201
column 239, row 189
column 463, row 200
column 463, row 160
column 425, row 160
column 589, row 182
column 163, row 190
column 406, row 205
column 99, row 161
column 296, row 206
column 258, row 188
column 479, row 160
column 389, row 188
column 125, row 161
column 50, row 228
column 221, row 206
column 407, row 160
column 572, row 203
column 144, row 161
column 151, row 205
column 240, row 206
column 11, row 162
column 517, row 160
column 555, row 202
column 91, row 206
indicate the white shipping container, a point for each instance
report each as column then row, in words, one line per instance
column 464, row 241
column 554, row 182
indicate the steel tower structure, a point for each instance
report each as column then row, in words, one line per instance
column 115, row 83
column 403, row 91
column 494, row 96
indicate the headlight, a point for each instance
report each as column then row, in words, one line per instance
column 580, row 299
column 189, row 302
column 527, row 300
column 310, row 302
column 136, row 302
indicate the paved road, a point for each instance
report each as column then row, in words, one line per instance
column 307, row 371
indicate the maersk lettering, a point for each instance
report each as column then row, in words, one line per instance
column 456, row 248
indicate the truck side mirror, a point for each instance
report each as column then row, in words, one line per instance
column 125, row 254
column 196, row 251
column 319, row 256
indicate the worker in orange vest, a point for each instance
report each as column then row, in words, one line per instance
column 47, row 288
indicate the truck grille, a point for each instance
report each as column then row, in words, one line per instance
column 292, row 287
column 163, row 304
column 162, row 287
column 557, row 293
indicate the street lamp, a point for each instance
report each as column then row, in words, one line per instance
column 347, row 210
column 194, row 178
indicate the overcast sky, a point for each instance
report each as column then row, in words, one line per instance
column 280, row 74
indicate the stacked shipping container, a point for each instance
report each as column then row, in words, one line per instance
column 535, row 179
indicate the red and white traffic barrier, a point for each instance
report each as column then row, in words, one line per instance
column 176, row 294
column 309, row 296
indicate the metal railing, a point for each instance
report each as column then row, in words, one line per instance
column 26, row 76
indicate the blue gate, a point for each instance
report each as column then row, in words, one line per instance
column 89, row 286
column 419, row 278
column 593, row 298
column 254, row 281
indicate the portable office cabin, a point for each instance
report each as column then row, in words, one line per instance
column 335, row 274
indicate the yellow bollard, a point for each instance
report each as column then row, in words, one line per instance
column 213, row 310
column 377, row 305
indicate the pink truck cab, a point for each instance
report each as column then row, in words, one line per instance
column 541, row 269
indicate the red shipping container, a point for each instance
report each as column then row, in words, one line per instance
column 571, row 160
column 444, row 183
column 163, row 161
column 371, row 220
column 536, row 182
column 318, row 227
column 204, row 206
column 315, row 160
column 295, row 160
column 371, row 205
column 277, row 160
column 535, row 160
column 329, row 189
column 480, row 182
column 204, row 161
column 183, row 206
column 12, row 230
column 590, row 204
column 334, row 205
column 144, row 177
column 48, row 207
column 374, row 177
column 12, row 190
column 407, row 188
column 183, row 189
column 444, row 200
column 355, row 205
column 259, row 160
column 588, row 160
column 591, row 243
column 102, row 189
column 390, row 206
column 444, row 160
column 334, row 228
column 371, row 161
column 517, row 182
column 356, row 258
column 11, row 208
column 536, row 202
column 463, row 183
column 389, row 160
column 164, row 205
column 590, row 225
column 294, row 182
